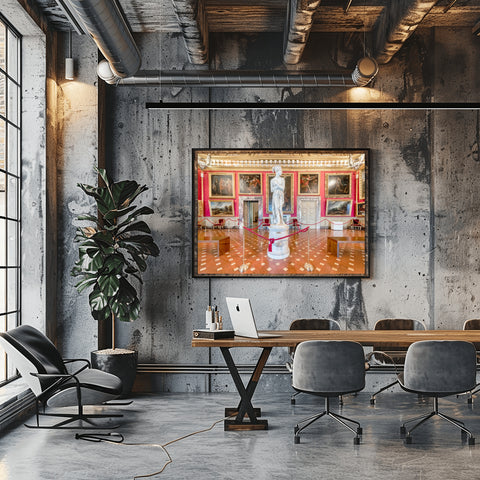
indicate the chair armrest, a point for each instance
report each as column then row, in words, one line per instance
column 71, row 360
column 61, row 378
column 369, row 356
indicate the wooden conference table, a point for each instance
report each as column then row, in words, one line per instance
column 291, row 338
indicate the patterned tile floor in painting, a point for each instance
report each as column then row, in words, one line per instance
column 305, row 246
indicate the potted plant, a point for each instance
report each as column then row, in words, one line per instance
column 112, row 254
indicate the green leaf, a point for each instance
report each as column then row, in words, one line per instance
column 102, row 315
column 141, row 263
column 137, row 213
column 97, row 300
column 140, row 226
column 109, row 284
column 88, row 217
column 114, row 263
column 116, row 213
column 82, row 285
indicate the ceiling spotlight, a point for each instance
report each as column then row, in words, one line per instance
column 69, row 59
column 365, row 71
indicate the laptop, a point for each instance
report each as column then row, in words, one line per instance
column 242, row 319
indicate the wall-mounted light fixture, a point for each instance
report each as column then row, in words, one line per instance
column 476, row 29
column 365, row 71
column 69, row 59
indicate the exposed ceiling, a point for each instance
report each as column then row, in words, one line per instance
column 391, row 22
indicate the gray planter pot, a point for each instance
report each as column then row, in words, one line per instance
column 119, row 362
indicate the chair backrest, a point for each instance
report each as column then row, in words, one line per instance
column 472, row 324
column 30, row 351
column 440, row 366
column 313, row 324
column 330, row 367
column 396, row 324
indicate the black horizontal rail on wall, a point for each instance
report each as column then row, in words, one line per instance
column 223, row 369
column 312, row 106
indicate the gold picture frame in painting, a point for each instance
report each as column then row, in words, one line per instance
column 308, row 183
column 338, row 208
column 338, row 185
column 250, row 184
column 221, row 185
column 361, row 185
column 221, row 208
column 361, row 209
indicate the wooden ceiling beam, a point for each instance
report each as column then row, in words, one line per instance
column 395, row 25
column 192, row 21
column 297, row 29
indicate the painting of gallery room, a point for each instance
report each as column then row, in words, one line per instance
column 243, row 224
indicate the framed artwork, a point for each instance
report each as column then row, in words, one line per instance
column 361, row 184
column 287, row 193
column 308, row 183
column 339, row 208
column 250, row 183
column 360, row 209
column 221, row 208
column 235, row 185
column 222, row 185
column 338, row 185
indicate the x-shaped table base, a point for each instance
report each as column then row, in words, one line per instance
column 245, row 407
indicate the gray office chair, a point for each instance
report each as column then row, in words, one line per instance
column 45, row 372
column 394, row 355
column 438, row 368
column 309, row 324
column 472, row 324
column 328, row 369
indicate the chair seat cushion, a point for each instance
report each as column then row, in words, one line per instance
column 96, row 387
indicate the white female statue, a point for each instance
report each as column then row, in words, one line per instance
column 277, row 186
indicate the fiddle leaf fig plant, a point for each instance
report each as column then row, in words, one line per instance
column 114, row 250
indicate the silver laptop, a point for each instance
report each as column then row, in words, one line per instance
column 242, row 319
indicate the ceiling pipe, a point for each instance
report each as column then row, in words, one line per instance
column 203, row 78
column 105, row 23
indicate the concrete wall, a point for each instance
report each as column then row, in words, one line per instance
column 423, row 189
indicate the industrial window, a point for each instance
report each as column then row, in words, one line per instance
column 10, row 114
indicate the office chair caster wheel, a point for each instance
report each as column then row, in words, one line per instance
column 470, row 400
column 408, row 440
column 403, row 430
column 372, row 401
column 471, row 441
column 356, row 441
column 292, row 401
column 360, row 431
column 296, row 439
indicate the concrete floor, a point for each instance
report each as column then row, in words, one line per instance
column 326, row 450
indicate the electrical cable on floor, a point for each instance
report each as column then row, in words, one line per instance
column 118, row 439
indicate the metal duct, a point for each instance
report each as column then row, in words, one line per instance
column 237, row 79
column 105, row 23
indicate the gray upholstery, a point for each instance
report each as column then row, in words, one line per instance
column 44, row 371
column 329, row 368
column 437, row 368
column 440, row 367
column 313, row 324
